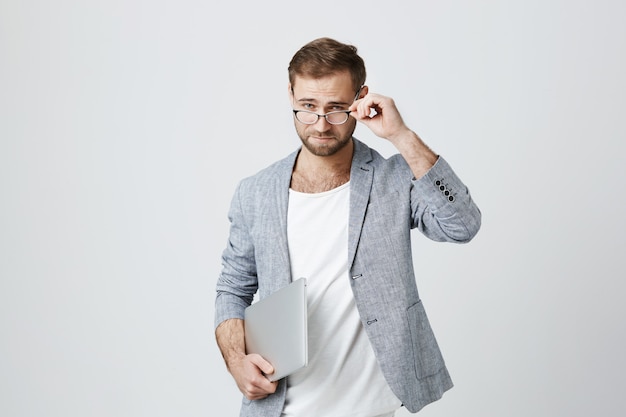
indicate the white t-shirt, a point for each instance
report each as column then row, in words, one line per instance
column 343, row 378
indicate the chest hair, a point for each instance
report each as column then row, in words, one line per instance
column 311, row 183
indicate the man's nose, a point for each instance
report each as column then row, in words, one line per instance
column 322, row 119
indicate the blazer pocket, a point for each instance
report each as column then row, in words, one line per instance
column 426, row 353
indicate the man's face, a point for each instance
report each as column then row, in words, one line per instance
column 322, row 95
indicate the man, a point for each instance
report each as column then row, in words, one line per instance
column 339, row 214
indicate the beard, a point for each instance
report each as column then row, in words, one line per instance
column 336, row 142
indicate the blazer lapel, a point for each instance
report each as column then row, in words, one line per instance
column 361, row 177
column 278, row 210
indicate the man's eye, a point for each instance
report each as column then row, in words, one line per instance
column 307, row 106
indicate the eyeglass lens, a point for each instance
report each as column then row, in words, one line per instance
column 335, row 118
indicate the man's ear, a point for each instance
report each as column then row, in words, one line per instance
column 364, row 90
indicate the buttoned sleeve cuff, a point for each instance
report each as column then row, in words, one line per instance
column 440, row 184
column 448, row 202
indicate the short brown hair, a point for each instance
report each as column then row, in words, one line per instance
column 325, row 56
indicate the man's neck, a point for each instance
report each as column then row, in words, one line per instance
column 316, row 174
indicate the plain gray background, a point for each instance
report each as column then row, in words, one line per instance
column 125, row 126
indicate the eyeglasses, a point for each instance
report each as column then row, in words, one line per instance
column 333, row 117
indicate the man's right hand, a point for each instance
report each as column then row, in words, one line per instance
column 249, row 372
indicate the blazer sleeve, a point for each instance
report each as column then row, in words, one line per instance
column 237, row 282
column 443, row 209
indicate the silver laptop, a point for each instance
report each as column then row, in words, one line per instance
column 276, row 329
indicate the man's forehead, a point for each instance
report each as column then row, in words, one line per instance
column 333, row 85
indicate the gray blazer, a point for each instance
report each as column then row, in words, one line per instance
column 386, row 202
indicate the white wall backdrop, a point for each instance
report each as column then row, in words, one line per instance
column 125, row 126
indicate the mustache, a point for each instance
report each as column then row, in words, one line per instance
column 324, row 134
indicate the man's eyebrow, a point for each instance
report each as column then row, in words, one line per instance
column 330, row 103
column 341, row 103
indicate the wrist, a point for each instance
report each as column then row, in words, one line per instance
column 402, row 136
column 233, row 358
